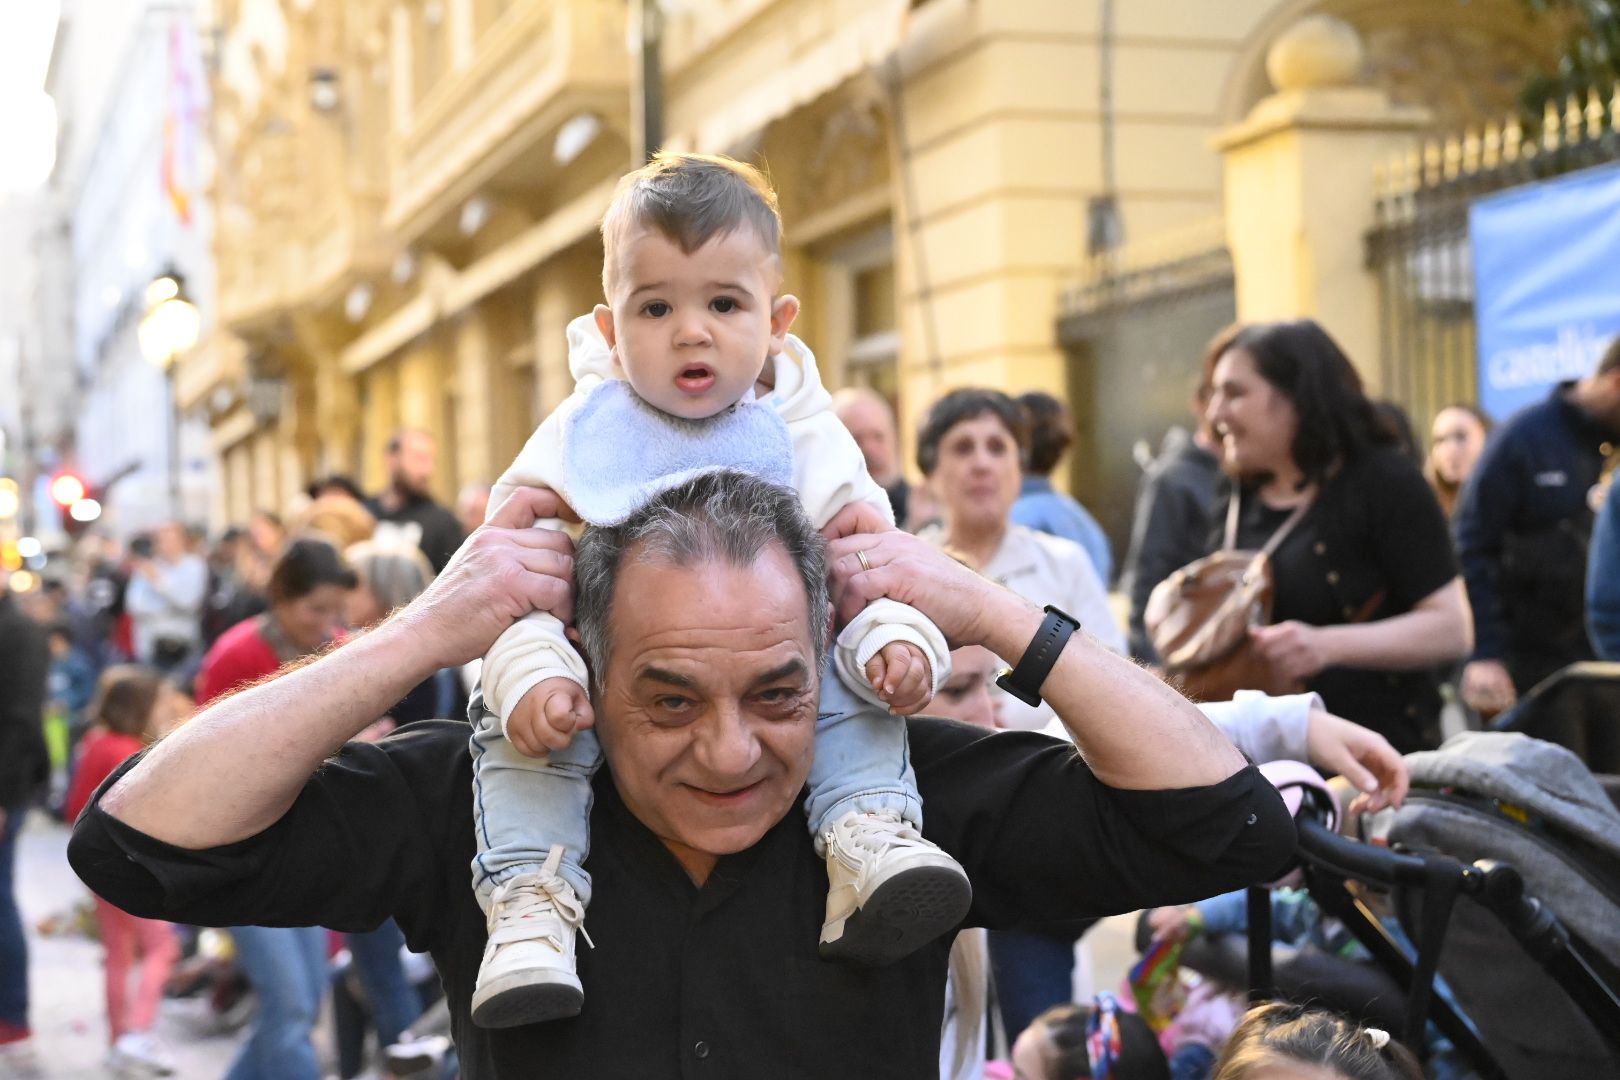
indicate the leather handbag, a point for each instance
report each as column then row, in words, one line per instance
column 1199, row 617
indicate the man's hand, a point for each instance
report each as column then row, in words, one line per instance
column 1487, row 688
column 1295, row 650
column 547, row 717
column 910, row 571
column 504, row 570
column 1361, row 756
column 899, row 673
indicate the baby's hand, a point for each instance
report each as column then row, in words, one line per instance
column 900, row 675
column 1171, row 923
column 547, row 717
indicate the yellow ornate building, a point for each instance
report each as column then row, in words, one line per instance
column 1058, row 194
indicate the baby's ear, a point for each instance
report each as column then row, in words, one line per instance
column 783, row 312
column 604, row 323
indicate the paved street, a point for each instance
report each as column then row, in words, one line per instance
column 65, row 975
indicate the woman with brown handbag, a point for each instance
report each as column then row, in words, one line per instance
column 1367, row 599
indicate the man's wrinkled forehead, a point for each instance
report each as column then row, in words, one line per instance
column 673, row 601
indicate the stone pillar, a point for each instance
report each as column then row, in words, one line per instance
column 475, row 399
column 337, row 412
column 569, row 284
column 380, row 401
column 994, row 151
column 424, row 404
column 1299, row 187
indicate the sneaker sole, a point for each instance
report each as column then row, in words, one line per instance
column 515, row 1000
column 910, row 909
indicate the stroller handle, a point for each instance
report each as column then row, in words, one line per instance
column 1370, row 863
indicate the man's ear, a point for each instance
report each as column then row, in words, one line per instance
column 783, row 312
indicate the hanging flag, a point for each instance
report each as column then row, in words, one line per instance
column 182, row 124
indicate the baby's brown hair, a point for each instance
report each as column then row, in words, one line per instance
column 691, row 199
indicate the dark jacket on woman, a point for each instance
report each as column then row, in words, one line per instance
column 1373, row 545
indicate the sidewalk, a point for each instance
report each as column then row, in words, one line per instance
column 65, row 980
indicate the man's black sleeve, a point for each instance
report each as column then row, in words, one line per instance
column 360, row 844
column 1486, row 509
column 1048, row 846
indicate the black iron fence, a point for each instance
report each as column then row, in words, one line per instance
column 1419, row 246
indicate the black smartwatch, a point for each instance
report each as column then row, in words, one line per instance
column 1024, row 681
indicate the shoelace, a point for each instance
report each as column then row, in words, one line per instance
column 519, row 903
column 871, row 834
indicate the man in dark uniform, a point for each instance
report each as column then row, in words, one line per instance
column 1523, row 528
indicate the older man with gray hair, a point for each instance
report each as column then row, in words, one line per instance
column 703, row 617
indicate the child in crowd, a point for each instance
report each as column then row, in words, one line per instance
column 1279, row 1040
column 1101, row 1041
column 126, row 717
column 689, row 368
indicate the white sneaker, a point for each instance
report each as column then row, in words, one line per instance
column 527, row 974
column 139, row 1054
column 890, row 891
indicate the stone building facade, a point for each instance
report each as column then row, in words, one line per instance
column 407, row 195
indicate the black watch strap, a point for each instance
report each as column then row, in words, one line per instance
column 1024, row 681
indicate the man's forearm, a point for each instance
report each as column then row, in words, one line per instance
column 235, row 768
column 1134, row 731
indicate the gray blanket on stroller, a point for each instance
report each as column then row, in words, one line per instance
column 1541, row 777
column 1544, row 779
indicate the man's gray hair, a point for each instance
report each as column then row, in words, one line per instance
column 720, row 516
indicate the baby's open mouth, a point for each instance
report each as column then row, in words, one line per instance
column 695, row 379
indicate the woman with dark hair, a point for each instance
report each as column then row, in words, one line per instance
column 1368, row 601
column 286, row 965
column 308, row 585
column 972, row 447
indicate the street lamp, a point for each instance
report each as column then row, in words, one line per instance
column 167, row 331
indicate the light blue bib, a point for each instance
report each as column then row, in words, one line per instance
column 619, row 452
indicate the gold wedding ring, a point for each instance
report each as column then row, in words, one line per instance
column 861, row 556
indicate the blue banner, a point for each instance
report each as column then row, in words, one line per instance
column 1546, row 284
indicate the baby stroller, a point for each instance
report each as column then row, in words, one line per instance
column 1504, row 868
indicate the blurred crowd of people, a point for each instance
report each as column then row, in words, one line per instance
column 1408, row 581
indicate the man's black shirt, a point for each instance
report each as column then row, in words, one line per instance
column 441, row 532
column 722, row 980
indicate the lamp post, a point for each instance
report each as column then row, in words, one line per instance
column 167, row 331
